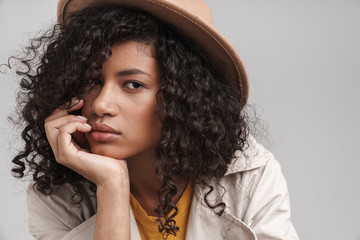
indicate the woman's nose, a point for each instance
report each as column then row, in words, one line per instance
column 105, row 102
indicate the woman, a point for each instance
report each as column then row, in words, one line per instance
column 136, row 129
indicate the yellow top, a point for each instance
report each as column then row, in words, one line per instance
column 148, row 225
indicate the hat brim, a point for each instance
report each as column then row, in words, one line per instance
column 218, row 50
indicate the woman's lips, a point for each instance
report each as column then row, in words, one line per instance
column 103, row 133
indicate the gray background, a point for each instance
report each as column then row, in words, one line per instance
column 303, row 60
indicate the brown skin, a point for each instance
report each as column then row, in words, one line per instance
column 124, row 159
column 126, row 101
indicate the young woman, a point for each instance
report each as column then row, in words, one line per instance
column 136, row 129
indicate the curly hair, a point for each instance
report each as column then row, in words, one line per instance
column 203, row 125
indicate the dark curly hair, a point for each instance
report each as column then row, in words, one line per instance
column 203, row 125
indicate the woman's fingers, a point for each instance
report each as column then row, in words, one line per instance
column 65, row 142
column 59, row 118
column 96, row 168
column 52, row 127
column 58, row 122
column 76, row 104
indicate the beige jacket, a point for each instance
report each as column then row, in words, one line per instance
column 254, row 190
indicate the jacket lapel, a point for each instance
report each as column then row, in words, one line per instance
column 205, row 224
column 134, row 231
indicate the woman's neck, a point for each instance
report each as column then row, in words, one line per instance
column 145, row 184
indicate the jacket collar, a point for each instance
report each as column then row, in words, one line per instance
column 253, row 156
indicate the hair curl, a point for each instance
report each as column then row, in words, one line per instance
column 203, row 126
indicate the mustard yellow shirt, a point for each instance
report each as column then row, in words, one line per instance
column 148, row 225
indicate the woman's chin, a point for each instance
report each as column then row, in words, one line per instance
column 105, row 151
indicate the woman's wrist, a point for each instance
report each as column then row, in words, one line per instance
column 113, row 207
column 114, row 185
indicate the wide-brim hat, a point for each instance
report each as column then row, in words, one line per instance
column 194, row 19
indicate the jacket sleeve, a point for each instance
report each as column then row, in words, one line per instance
column 269, row 209
column 50, row 218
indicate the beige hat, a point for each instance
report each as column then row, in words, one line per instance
column 194, row 19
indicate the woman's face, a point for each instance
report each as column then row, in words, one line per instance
column 121, row 109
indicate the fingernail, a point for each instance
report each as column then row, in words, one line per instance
column 82, row 117
column 87, row 125
column 76, row 100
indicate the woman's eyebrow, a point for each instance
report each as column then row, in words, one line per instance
column 131, row 72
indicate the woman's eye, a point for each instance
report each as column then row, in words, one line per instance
column 133, row 85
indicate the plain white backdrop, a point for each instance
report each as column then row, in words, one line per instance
column 303, row 60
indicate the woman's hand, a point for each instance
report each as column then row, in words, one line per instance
column 61, row 129
column 109, row 174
